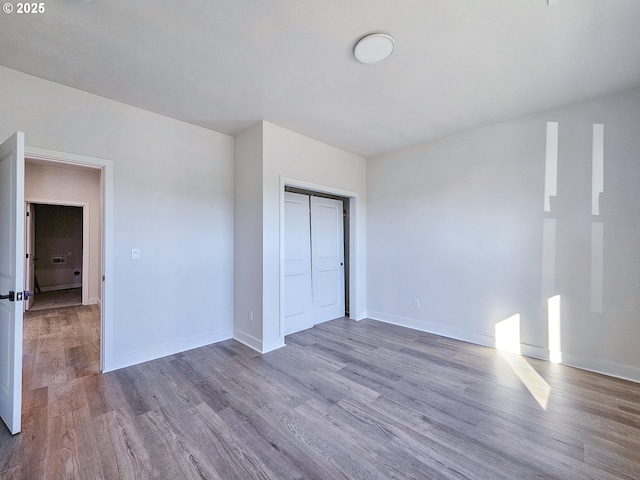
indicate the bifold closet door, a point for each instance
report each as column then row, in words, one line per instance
column 327, row 247
column 298, row 304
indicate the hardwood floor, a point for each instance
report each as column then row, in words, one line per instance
column 342, row 400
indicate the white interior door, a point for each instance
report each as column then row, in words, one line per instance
column 11, row 278
column 298, row 311
column 327, row 233
column 30, row 247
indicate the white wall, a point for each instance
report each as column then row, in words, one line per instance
column 173, row 199
column 248, row 236
column 308, row 161
column 457, row 224
column 77, row 186
column 287, row 154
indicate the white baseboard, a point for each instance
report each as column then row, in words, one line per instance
column 247, row 340
column 534, row 351
column 61, row 287
column 441, row 330
column 604, row 367
column 98, row 301
column 159, row 351
column 611, row 369
column 93, row 301
column 258, row 345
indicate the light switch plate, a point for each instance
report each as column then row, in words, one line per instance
column 135, row 254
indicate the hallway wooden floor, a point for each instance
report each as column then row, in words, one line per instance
column 342, row 400
column 60, row 345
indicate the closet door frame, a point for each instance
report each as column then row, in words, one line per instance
column 356, row 245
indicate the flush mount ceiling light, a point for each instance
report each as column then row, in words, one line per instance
column 374, row 48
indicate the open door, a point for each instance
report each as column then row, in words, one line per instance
column 11, row 279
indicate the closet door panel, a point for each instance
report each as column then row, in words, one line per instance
column 298, row 304
column 327, row 258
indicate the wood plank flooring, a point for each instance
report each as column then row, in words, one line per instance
column 342, row 400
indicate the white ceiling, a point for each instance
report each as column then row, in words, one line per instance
column 226, row 64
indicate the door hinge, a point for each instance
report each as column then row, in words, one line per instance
column 27, row 214
column 103, row 278
column 27, row 255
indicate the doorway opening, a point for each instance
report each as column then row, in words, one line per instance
column 62, row 337
column 14, row 156
column 52, row 178
column 316, row 257
column 56, row 269
column 346, row 204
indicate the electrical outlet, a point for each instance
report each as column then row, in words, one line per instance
column 416, row 304
column 251, row 315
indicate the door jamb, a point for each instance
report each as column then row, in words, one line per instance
column 106, row 168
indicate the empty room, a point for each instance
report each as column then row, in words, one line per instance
column 320, row 239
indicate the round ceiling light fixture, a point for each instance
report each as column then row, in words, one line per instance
column 374, row 48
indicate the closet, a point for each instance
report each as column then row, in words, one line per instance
column 314, row 270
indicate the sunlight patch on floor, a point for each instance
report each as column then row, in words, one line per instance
column 507, row 336
column 537, row 386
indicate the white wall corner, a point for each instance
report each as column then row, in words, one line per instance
column 257, row 345
column 359, row 316
column 273, row 344
column 248, row 340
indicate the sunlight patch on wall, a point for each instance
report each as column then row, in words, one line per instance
column 555, row 329
column 507, row 334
